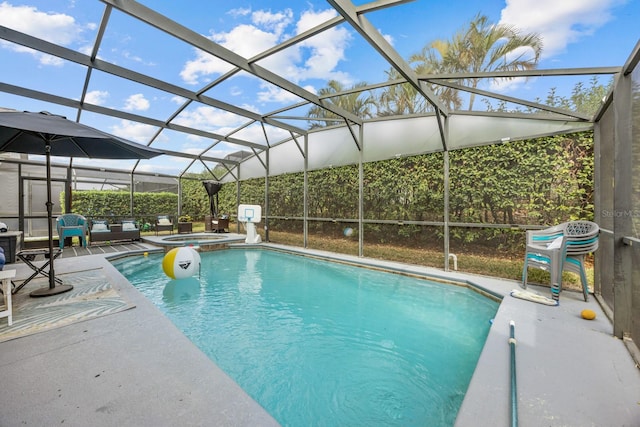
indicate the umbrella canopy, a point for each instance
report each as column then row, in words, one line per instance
column 26, row 132
column 52, row 135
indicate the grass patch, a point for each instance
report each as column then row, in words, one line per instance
column 488, row 265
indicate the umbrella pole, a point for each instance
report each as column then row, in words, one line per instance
column 52, row 289
column 52, row 274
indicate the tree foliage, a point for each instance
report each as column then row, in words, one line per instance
column 353, row 101
column 535, row 182
column 584, row 98
column 116, row 205
column 195, row 201
column 480, row 47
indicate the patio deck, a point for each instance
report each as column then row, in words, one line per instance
column 135, row 368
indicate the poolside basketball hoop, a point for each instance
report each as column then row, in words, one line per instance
column 250, row 215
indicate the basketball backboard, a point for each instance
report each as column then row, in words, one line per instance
column 249, row 213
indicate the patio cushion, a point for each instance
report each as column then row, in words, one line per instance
column 128, row 226
column 99, row 225
column 164, row 221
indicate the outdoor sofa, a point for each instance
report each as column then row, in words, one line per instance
column 102, row 231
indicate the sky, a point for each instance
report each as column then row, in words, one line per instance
column 575, row 33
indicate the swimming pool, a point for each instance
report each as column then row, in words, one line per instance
column 322, row 343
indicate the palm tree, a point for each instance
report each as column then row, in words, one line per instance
column 437, row 58
column 482, row 47
column 351, row 101
column 400, row 99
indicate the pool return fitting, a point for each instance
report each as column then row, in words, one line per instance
column 455, row 261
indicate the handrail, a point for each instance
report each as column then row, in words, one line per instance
column 522, row 227
column 630, row 241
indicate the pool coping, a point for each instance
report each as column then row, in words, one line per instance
column 571, row 372
column 205, row 240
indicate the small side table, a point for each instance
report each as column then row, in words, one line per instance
column 185, row 227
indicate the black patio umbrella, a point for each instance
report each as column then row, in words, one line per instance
column 213, row 188
column 52, row 135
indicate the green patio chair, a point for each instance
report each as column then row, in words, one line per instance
column 71, row 225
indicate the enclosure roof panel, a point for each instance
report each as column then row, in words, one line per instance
column 312, row 84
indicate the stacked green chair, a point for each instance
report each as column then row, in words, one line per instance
column 561, row 248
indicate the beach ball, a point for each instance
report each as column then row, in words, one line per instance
column 588, row 314
column 180, row 263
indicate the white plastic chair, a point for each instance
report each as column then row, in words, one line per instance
column 568, row 242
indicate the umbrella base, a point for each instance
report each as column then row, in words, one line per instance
column 46, row 292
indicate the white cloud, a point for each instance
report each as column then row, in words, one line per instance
column 560, row 23
column 54, row 27
column 96, row 97
column 126, row 54
column 317, row 57
column 178, row 100
column 239, row 12
column 235, row 91
column 176, row 165
column 325, row 50
column 245, row 40
column 271, row 93
column 86, row 49
column 44, row 59
column 209, row 119
column 255, row 133
column 388, row 38
column 191, row 150
column 507, row 85
column 249, row 107
column 310, row 18
column 276, row 22
column 136, row 102
column 204, row 65
column 311, row 89
column 133, row 131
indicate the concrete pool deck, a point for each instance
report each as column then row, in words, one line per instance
column 135, row 368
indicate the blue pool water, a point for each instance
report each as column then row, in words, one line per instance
column 326, row 344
